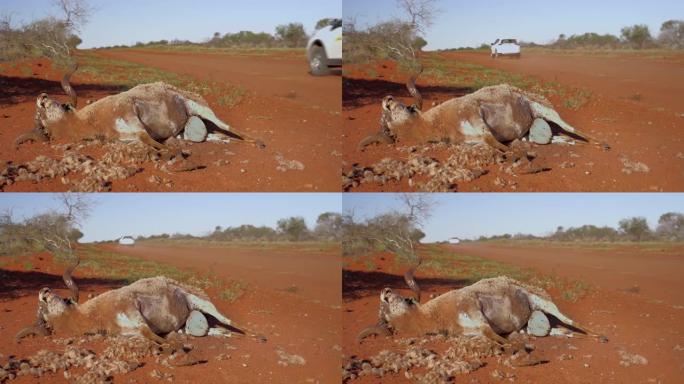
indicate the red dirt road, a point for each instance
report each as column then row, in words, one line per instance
column 659, row 81
column 292, row 297
column 657, row 272
column 295, row 114
column 646, row 321
column 635, row 107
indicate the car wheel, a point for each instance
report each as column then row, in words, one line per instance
column 318, row 61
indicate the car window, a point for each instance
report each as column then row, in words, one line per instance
column 337, row 23
column 508, row 41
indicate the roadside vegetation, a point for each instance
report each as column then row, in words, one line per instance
column 636, row 37
column 290, row 230
column 669, row 229
column 286, row 36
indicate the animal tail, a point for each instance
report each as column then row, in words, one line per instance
column 540, row 304
column 549, row 114
column 205, row 113
column 207, row 307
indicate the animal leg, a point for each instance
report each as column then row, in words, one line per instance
column 488, row 332
column 168, row 346
column 207, row 114
column 546, row 306
column 34, row 135
column 167, row 153
column 379, row 138
column 546, row 113
column 494, row 143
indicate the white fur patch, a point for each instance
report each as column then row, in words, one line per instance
column 218, row 332
column 466, row 322
column 470, row 131
column 128, row 325
column 127, row 131
column 217, row 137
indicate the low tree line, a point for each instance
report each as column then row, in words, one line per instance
column 670, row 227
column 671, row 36
column 327, row 228
column 291, row 35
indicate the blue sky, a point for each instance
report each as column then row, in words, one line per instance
column 119, row 214
column 129, row 21
column 468, row 215
column 470, row 23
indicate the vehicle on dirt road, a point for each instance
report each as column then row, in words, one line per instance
column 324, row 50
column 507, row 47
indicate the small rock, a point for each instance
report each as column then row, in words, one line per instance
column 196, row 324
column 538, row 325
column 540, row 132
column 628, row 359
column 195, row 130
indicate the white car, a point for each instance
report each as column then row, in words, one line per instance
column 324, row 50
column 508, row 47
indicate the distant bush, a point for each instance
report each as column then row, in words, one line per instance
column 672, row 34
column 637, row 36
column 670, row 228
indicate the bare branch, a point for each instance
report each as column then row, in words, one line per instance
column 76, row 12
column 421, row 13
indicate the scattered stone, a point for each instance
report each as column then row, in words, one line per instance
column 567, row 164
column 159, row 375
column 286, row 359
column 629, row 166
column 627, row 359
column 465, row 163
column 421, row 364
column 565, row 357
column 285, row 165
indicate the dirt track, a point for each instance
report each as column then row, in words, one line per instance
column 635, row 107
column 644, row 321
column 283, row 300
column 657, row 272
column 295, row 114
column 658, row 81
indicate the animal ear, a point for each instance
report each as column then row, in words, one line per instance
column 40, row 101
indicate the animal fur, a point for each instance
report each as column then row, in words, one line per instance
column 491, row 308
column 494, row 115
column 150, row 113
